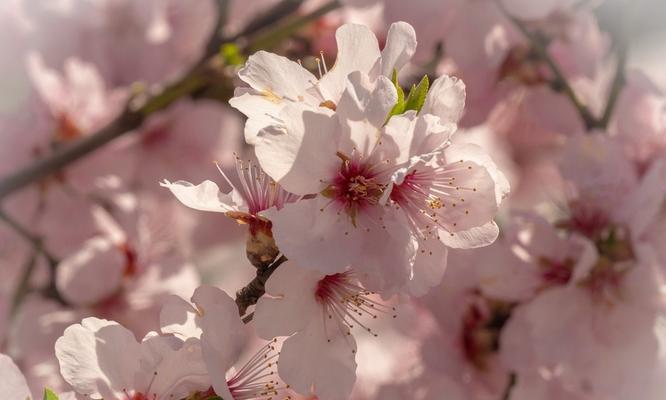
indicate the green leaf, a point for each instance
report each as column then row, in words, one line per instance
column 417, row 95
column 50, row 395
column 399, row 106
column 231, row 54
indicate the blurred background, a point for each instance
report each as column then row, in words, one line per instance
column 100, row 100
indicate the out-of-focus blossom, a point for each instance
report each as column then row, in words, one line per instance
column 12, row 381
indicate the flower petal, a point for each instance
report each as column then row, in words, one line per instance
column 310, row 364
column 260, row 110
column 358, row 50
column 276, row 77
column 445, row 99
column 205, row 196
column 171, row 368
column 429, row 267
column 91, row 274
column 363, row 107
column 12, row 381
column 90, row 360
column 313, row 235
column 290, row 302
column 300, row 154
column 223, row 332
column 471, row 238
column 400, row 47
column 178, row 317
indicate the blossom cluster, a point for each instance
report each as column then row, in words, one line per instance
column 452, row 199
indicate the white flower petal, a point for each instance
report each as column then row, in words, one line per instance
column 358, row 50
column 289, row 303
column 316, row 239
column 205, row 196
column 178, row 317
column 310, row 364
column 445, row 99
column 276, row 77
column 12, row 381
column 90, row 359
column 400, row 47
column 300, row 154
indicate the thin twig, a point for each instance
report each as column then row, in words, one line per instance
column 34, row 240
column 513, row 379
column 38, row 248
column 290, row 25
column 617, row 85
column 558, row 76
column 24, row 284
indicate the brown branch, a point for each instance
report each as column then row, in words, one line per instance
column 618, row 83
column 249, row 295
column 559, row 80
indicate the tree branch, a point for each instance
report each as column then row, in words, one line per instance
column 249, row 295
column 513, row 379
column 133, row 117
column 558, row 76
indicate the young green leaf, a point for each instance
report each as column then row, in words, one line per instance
column 417, row 95
column 50, row 395
column 231, row 54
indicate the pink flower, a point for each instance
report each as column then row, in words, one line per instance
column 102, row 359
column 125, row 274
column 318, row 313
column 598, row 337
column 12, row 381
column 533, row 256
column 213, row 318
column 255, row 192
column 399, row 183
column 79, row 101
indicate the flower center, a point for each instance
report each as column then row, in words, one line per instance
column 258, row 190
column 481, row 327
column 556, row 273
column 355, row 187
column 256, row 379
column 345, row 303
column 432, row 197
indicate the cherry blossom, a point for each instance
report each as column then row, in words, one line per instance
column 213, row 317
column 370, row 173
column 318, row 312
column 160, row 367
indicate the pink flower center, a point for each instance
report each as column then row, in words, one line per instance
column 433, row 197
column 355, row 187
column 346, row 303
column 555, row 273
column 481, row 327
column 256, row 380
column 587, row 220
column 258, row 190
